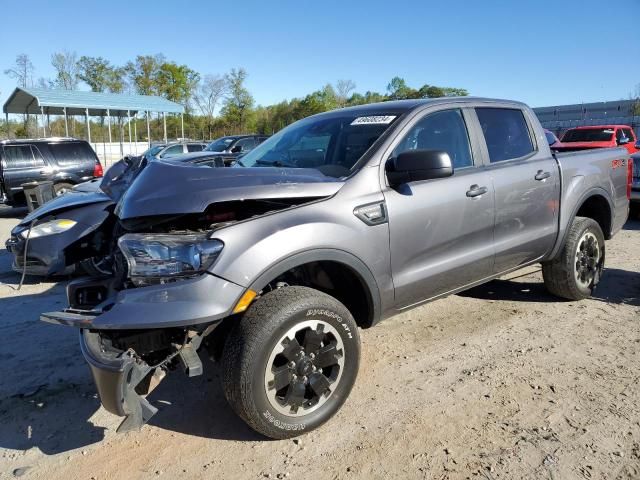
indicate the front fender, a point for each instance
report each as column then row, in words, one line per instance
column 258, row 250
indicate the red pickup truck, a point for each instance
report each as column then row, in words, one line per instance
column 598, row 136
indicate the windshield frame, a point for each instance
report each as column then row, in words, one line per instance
column 268, row 144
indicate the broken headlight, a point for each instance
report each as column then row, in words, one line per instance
column 157, row 258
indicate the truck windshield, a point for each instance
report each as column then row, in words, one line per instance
column 333, row 145
column 588, row 135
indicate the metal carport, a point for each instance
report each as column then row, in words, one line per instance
column 40, row 101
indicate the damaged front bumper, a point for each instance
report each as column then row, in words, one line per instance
column 120, row 379
column 122, row 374
column 183, row 303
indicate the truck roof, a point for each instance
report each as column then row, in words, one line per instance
column 402, row 106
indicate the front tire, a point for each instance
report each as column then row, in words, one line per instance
column 576, row 271
column 291, row 361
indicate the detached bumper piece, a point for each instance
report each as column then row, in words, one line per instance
column 120, row 379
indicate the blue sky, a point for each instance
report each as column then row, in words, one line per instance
column 543, row 52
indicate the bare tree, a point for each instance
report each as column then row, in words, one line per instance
column 343, row 90
column 209, row 93
column 66, row 66
column 22, row 71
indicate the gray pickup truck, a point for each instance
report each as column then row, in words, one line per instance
column 333, row 224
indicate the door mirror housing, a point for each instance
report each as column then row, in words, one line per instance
column 236, row 149
column 417, row 165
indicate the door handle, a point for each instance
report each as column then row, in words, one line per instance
column 542, row 175
column 476, row 191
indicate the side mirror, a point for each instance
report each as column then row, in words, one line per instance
column 236, row 149
column 417, row 165
column 623, row 141
column 128, row 160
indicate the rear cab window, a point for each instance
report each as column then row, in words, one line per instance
column 506, row 133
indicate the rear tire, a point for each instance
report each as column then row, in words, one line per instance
column 290, row 362
column 577, row 269
column 62, row 188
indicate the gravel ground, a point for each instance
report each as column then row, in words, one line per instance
column 502, row 381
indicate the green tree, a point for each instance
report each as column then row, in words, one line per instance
column 100, row 75
column 143, row 73
column 176, row 82
column 238, row 104
column 399, row 90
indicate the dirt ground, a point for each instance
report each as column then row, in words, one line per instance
column 502, row 381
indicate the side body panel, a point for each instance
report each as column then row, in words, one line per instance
column 601, row 172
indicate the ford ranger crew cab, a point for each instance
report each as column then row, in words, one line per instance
column 333, row 224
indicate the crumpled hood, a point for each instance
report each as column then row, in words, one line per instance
column 167, row 188
column 84, row 194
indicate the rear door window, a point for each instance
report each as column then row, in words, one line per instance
column 72, row 153
column 21, row 156
column 506, row 133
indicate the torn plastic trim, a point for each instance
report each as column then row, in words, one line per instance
column 116, row 375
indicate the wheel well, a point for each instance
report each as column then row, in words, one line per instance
column 597, row 208
column 335, row 279
column 331, row 277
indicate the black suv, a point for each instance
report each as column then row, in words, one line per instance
column 64, row 161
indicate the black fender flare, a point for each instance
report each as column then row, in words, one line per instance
column 332, row 255
column 592, row 192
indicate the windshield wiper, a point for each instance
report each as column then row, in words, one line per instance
column 275, row 163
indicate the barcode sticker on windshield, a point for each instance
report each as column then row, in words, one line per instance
column 374, row 120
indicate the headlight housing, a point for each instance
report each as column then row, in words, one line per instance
column 158, row 258
column 48, row 228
